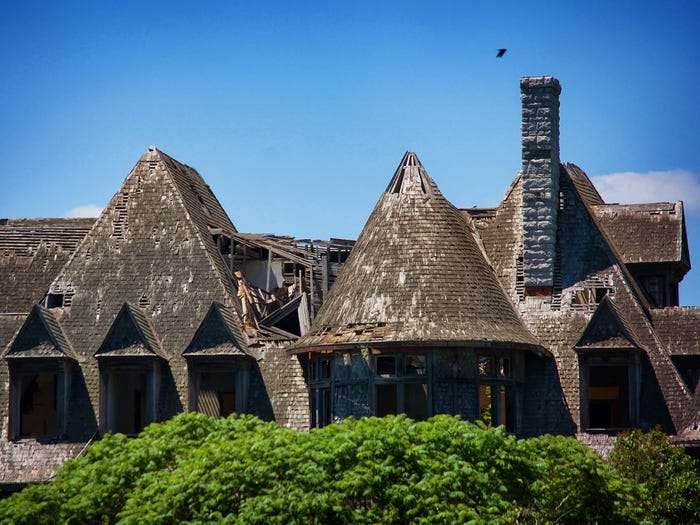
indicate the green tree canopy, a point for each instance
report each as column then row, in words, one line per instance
column 196, row 469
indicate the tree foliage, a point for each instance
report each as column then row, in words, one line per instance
column 669, row 474
column 196, row 469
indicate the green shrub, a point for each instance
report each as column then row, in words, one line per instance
column 669, row 474
column 241, row 470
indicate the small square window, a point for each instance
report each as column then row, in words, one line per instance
column 386, row 365
column 54, row 300
column 415, row 365
column 486, row 368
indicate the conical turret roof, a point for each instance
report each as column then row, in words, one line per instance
column 416, row 276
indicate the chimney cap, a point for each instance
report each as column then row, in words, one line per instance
column 544, row 82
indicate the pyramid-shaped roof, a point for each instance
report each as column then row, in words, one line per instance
column 607, row 329
column 40, row 336
column 219, row 334
column 416, row 276
column 131, row 335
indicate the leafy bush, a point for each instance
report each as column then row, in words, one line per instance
column 392, row 470
column 670, row 475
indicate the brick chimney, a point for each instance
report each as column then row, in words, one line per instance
column 540, row 181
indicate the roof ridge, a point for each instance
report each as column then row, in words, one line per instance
column 227, row 293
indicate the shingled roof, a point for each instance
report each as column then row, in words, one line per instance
column 32, row 252
column 646, row 233
column 41, row 336
column 416, row 276
column 678, row 329
column 23, row 236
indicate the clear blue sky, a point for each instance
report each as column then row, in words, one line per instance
column 296, row 113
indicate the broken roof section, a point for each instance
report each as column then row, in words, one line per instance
column 646, row 233
column 32, row 252
column 416, row 276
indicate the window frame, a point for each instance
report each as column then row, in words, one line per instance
column 108, row 366
column 320, row 390
column 238, row 366
column 621, row 358
column 496, row 381
column 400, row 378
column 62, row 369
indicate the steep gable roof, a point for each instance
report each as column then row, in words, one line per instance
column 40, row 336
column 218, row 335
column 645, row 233
column 631, row 301
column 416, row 275
column 151, row 247
column 607, row 329
column 131, row 334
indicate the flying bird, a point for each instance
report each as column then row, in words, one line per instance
column 500, row 53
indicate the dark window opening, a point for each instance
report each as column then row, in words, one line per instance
column 486, row 366
column 400, row 385
column 608, row 396
column 38, row 405
column 54, row 300
column 290, row 323
column 590, row 296
column 320, row 398
column 217, row 393
column 689, row 369
column 416, row 401
column 386, row 365
column 655, row 285
column 225, row 247
column 128, row 400
column 320, row 407
column 386, row 399
column 415, row 365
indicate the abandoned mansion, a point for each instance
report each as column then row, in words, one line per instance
column 553, row 312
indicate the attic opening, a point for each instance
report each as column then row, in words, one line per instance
column 55, row 300
column 224, row 245
column 591, row 295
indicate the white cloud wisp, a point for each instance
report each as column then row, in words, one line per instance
column 86, row 210
column 632, row 187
